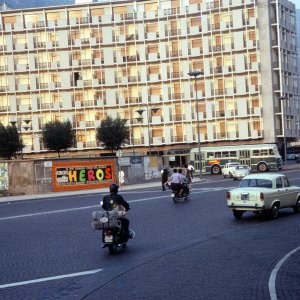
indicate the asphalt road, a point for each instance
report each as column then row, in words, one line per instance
column 189, row 250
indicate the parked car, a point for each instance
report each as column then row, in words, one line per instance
column 291, row 156
column 228, row 168
column 240, row 172
column 263, row 193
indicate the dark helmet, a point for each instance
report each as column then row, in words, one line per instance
column 114, row 188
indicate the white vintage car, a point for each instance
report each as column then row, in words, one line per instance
column 240, row 172
column 263, row 193
column 228, row 168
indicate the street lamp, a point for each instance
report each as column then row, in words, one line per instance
column 282, row 99
column 140, row 112
column 195, row 74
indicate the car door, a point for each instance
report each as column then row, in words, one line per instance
column 280, row 192
column 289, row 193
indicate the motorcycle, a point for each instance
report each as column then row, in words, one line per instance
column 113, row 235
column 184, row 195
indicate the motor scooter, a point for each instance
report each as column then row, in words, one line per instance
column 182, row 193
column 113, row 235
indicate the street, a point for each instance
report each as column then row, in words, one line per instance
column 189, row 250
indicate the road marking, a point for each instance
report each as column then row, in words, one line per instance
column 3, row 286
column 50, row 212
column 272, row 279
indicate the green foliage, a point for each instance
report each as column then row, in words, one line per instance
column 58, row 136
column 10, row 141
column 112, row 134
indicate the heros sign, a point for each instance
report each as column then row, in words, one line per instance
column 82, row 175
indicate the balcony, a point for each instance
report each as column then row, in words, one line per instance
column 219, row 92
column 173, row 32
column 4, row 88
column 171, row 11
column 178, row 139
column 131, row 58
column 220, row 114
column 176, row 118
column 133, row 79
column 43, row 65
column 174, row 75
column 175, row 53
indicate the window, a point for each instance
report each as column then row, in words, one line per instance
column 218, row 154
column 210, row 154
column 278, row 183
column 256, row 153
column 225, row 154
column 285, row 182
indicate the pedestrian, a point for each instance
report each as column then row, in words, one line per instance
column 164, row 178
column 188, row 175
column 121, row 178
column 192, row 169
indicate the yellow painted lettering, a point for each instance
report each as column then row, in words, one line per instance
column 72, row 176
column 99, row 174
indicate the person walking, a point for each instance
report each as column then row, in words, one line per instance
column 164, row 178
column 192, row 169
column 188, row 175
column 121, row 178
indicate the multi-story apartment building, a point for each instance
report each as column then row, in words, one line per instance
column 298, row 42
column 87, row 61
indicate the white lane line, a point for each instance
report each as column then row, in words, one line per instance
column 272, row 279
column 49, row 212
column 3, row 286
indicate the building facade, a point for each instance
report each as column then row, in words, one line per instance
column 131, row 59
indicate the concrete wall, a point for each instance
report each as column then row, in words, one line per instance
column 35, row 176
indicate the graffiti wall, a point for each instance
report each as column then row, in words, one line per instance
column 3, row 176
column 82, row 175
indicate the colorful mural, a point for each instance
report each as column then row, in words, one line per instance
column 82, row 175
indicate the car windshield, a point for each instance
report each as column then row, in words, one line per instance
column 263, row 183
column 241, row 168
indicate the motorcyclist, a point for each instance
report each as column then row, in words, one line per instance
column 113, row 201
column 175, row 181
column 184, row 183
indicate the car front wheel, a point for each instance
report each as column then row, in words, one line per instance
column 296, row 208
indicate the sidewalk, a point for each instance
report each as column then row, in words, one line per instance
column 83, row 192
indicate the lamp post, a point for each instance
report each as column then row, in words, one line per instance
column 140, row 112
column 282, row 99
column 195, row 74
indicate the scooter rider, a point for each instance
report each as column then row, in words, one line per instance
column 175, row 180
column 112, row 201
column 184, row 183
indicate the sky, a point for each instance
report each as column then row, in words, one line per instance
column 297, row 2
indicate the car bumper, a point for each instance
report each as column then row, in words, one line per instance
column 246, row 207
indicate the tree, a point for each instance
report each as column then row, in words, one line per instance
column 10, row 141
column 112, row 133
column 58, row 136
